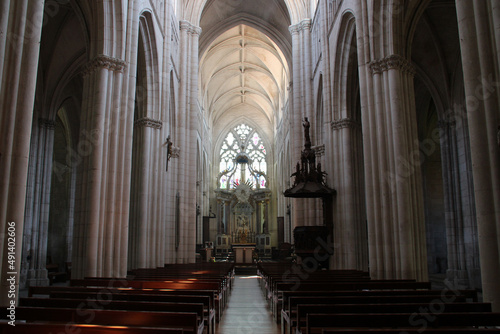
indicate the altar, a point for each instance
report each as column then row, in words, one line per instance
column 243, row 253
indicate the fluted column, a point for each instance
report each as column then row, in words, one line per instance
column 20, row 27
column 188, row 117
column 143, row 227
column 38, row 202
column 479, row 26
column 392, row 169
column 350, row 229
column 300, row 108
column 101, row 222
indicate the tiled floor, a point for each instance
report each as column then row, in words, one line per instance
column 247, row 311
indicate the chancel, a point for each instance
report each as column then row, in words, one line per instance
column 339, row 144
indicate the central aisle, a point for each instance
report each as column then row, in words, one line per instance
column 247, row 310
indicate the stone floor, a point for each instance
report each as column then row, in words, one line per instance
column 247, row 311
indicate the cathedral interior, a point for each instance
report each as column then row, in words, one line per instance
column 144, row 133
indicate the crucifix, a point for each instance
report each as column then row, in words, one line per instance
column 169, row 150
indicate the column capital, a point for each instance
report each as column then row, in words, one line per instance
column 444, row 124
column 103, row 61
column 344, row 123
column 148, row 123
column 301, row 26
column 397, row 62
column 46, row 123
column 189, row 27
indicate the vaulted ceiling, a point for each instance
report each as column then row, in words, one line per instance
column 244, row 62
column 243, row 72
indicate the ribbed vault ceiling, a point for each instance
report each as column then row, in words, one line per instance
column 243, row 73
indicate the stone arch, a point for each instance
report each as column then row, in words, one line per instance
column 55, row 151
column 348, row 172
column 342, row 78
column 143, row 228
column 147, row 88
column 193, row 8
column 450, row 215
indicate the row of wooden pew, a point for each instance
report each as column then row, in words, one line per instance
column 186, row 298
column 348, row 301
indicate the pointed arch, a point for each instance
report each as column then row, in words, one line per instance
column 348, row 173
column 144, row 229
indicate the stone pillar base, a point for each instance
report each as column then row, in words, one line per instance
column 37, row 277
column 458, row 279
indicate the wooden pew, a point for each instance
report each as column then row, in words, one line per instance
column 189, row 322
column 157, row 285
column 136, row 296
column 289, row 311
column 277, row 296
column 89, row 303
column 410, row 308
column 58, row 328
column 207, row 297
column 446, row 295
column 413, row 331
column 315, row 323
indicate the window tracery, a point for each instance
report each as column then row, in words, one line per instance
column 242, row 159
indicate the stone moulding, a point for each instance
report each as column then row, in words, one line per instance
column 391, row 62
column 46, row 123
column 149, row 123
column 102, row 61
column 344, row 123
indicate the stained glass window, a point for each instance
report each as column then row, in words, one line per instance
column 242, row 141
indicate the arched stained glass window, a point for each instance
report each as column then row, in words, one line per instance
column 242, row 159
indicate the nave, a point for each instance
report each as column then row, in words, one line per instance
column 282, row 298
column 247, row 311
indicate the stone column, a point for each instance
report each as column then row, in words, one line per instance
column 479, row 26
column 38, row 202
column 350, row 225
column 301, row 107
column 142, row 240
column 219, row 216
column 20, row 28
column 461, row 226
column 101, row 222
column 392, row 169
column 258, row 217
column 188, row 114
column 266, row 216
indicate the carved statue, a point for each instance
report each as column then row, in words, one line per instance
column 306, row 126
